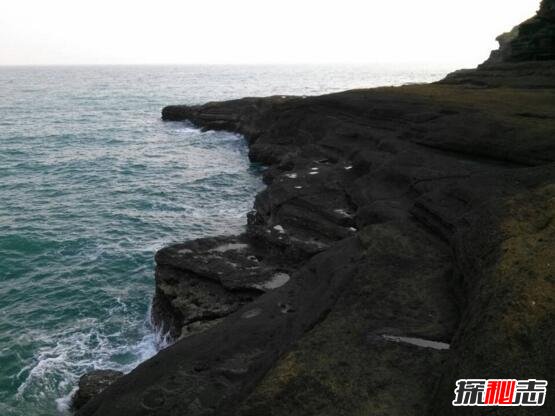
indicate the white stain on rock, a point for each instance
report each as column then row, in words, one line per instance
column 279, row 229
column 228, row 247
column 277, row 280
column 419, row 342
column 251, row 313
column 342, row 212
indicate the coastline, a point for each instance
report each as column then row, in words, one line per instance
column 422, row 212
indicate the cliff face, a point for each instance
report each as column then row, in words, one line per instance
column 532, row 40
column 524, row 59
column 405, row 240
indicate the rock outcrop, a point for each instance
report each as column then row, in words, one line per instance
column 524, row 58
column 406, row 239
column 92, row 384
column 532, row 40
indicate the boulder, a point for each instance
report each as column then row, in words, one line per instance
column 91, row 384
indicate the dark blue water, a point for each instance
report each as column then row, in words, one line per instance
column 92, row 182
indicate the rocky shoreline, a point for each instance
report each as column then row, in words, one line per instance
column 406, row 239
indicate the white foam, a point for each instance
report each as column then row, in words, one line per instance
column 87, row 345
column 63, row 404
column 153, row 246
column 291, row 175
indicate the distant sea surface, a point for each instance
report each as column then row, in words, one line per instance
column 92, row 183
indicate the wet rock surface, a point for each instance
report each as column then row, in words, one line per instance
column 92, row 384
column 202, row 281
column 406, row 239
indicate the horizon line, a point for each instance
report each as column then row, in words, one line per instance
column 359, row 63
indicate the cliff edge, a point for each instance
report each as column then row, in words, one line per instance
column 406, row 239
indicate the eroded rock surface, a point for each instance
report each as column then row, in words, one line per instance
column 524, row 59
column 202, row 281
column 405, row 240
column 532, row 40
column 92, row 384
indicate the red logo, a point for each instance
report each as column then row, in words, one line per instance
column 503, row 392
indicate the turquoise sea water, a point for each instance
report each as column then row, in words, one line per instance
column 92, row 182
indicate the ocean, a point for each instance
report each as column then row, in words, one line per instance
column 92, row 183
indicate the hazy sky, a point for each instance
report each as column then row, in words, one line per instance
column 458, row 32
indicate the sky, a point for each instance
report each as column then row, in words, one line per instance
column 67, row 32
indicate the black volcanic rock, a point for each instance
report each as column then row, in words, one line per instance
column 525, row 58
column 532, row 40
column 200, row 282
column 421, row 212
column 406, row 239
column 92, row 384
